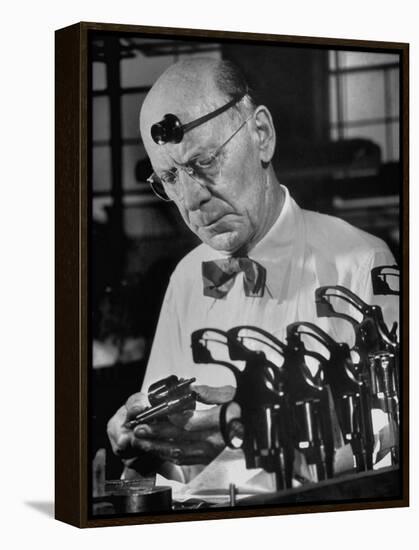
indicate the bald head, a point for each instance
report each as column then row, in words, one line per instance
column 219, row 175
column 189, row 89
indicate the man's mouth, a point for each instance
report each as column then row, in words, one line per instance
column 208, row 223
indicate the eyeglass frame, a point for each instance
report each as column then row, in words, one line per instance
column 189, row 170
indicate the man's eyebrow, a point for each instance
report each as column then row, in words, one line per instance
column 196, row 152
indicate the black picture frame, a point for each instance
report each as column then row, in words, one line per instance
column 73, row 386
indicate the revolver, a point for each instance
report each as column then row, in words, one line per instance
column 166, row 396
column 263, row 429
column 378, row 349
column 311, row 408
column 350, row 395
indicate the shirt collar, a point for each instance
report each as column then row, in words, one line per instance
column 280, row 236
column 276, row 251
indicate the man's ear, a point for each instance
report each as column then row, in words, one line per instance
column 265, row 130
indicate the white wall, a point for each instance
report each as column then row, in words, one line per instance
column 27, row 271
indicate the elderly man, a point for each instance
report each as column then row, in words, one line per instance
column 261, row 257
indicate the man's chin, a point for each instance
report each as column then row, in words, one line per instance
column 228, row 242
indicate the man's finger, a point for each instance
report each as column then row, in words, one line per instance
column 168, row 431
column 208, row 419
column 214, row 396
column 136, row 398
column 135, row 404
column 120, row 437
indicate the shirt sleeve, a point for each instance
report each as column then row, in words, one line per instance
column 363, row 287
column 166, row 349
column 358, row 279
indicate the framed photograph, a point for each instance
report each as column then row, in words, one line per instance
column 231, row 274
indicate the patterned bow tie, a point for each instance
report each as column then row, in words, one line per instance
column 218, row 276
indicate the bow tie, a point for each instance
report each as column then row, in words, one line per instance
column 218, row 276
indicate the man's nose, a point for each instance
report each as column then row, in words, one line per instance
column 194, row 192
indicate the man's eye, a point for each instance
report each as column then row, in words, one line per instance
column 207, row 162
column 169, row 177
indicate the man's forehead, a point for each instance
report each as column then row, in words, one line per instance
column 187, row 90
column 187, row 103
column 186, row 106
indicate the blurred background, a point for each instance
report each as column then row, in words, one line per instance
column 337, row 116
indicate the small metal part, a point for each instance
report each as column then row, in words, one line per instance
column 384, row 387
column 167, row 396
column 99, row 473
column 158, row 499
column 232, row 492
column 130, row 497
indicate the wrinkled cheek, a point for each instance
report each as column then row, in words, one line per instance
column 185, row 216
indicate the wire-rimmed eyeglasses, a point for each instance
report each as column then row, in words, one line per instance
column 202, row 169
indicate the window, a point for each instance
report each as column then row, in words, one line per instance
column 122, row 72
column 364, row 99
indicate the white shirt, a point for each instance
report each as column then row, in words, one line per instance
column 302, row 251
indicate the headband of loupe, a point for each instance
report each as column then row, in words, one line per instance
column 171, row 130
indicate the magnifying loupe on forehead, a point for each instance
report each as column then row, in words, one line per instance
column 171, row 130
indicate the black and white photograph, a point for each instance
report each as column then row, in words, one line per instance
column 245, row 296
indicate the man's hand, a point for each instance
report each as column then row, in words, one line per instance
column 192, row 437
column 121, row 438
